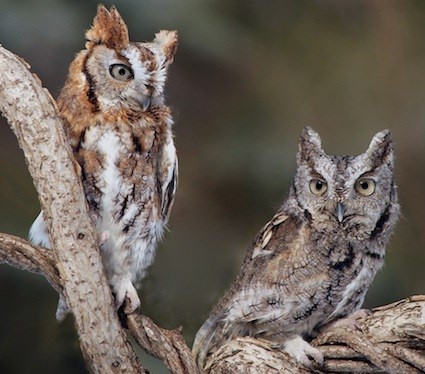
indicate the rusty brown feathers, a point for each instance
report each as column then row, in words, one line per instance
column 120, row 130
column 108, row 28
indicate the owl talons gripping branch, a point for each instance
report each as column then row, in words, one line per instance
column 120, row 131
column 313, row 263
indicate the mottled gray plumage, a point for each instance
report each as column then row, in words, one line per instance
column 315, row 260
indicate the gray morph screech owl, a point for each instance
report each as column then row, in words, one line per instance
column 315, row 260
column 120, row 131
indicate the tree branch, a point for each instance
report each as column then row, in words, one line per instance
column 167, row 345
column 20, row 254
column 391, row 340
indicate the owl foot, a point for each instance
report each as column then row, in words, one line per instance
column 126, row 292
column 303, row 352
column 352, row 319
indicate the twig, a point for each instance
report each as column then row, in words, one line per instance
column 167, row 345
column 20, row 254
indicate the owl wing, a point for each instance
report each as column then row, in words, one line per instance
column 168, row 177
column 256, row 298
column 276, row 236
column 242, row 305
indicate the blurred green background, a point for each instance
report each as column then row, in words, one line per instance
column 248, row 76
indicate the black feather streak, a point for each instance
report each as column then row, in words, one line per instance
column 381, row 223
column 307, row 215
column 123, row 208
column 137, row 144
column 170, row 192
column 348, row 259
column 80, row 140
column 91, row 93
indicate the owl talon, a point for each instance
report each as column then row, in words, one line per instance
column 127, row 295
column 131, row 304
column 303, row 352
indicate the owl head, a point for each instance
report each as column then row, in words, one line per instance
column 113, row 73
column 354, row 193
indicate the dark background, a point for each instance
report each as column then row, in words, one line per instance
column 248, row 76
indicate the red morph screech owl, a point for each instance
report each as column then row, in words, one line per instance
column 120, row 131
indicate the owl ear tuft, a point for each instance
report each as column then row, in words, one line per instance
column 309, row 146
column 168, row 41
column 108, row 28
column 381, row 149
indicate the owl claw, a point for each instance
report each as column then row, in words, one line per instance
column 127, row 294
column 303, row 352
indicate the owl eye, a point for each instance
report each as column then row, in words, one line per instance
column 121, row 72
column 318, row 186
column 365, row 186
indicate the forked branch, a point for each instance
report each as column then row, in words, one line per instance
column 167, row 345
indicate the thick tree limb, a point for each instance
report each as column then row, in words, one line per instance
column 20, row 254
column 253, row 356
column 391, row 340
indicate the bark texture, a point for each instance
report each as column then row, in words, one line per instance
column 167, row 345
column 390, row 340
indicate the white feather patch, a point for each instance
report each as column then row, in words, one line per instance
column 38, row 232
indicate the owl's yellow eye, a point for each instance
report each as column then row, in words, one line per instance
column 365, row 186
column 318, row 186
column 121, row 72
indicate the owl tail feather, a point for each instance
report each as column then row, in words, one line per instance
column 207, row 338
column 62, row 309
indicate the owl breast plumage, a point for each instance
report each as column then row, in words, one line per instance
column 121, row 133
column 313, row 263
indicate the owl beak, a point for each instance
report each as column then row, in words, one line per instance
column 145, row 103
column 340, row 210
